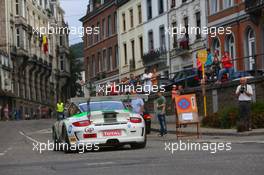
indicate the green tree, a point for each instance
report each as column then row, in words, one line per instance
column 75, row 68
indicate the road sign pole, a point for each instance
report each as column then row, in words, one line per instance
column 204, row 91
column 202, row 56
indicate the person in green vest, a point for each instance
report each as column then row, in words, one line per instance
column 60, row 109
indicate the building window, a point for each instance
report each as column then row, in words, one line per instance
column 162, row 38
column 93, row 66
column 99, row 58
column 109, row 60
column 198, row 24
column 216, row 47
column 61, row 40
column 151, row 40
column 104, row 60
column 116, row 57
column 23, row 8
column 17, row 7
column 18, row 37
column 131, row 18
column 12, row 36
column 141, row 46
column 109, row 27
column 125, row 53
column 173, row 3
column 175, row 42
column 149, row 9
column 228, row 3
column 61, row 63
column 161, row 6
column 186, row 25
column 103, row 28
column 97, row 35
column 230, row 47
column 251, row 49
column 92, row 36
column 115, row 22
column 133, row 50
column 214, row 6
column 139, row 14
column 124, row 21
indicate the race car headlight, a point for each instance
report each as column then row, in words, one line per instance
column 82, row 123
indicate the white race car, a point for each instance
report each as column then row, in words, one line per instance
column 99, row 122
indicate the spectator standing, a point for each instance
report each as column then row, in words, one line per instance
column 244, row 92
column 227, row 67
column 215, row 65
column 209, row 59
column 199, row 68
column 133, row 80
column 137, row 105
column 147, row 80
column 173, row 93
column 160, row 112
column 154, row 78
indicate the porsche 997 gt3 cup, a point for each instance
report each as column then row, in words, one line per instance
column 99, row 121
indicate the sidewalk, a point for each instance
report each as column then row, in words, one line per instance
column 171, row 127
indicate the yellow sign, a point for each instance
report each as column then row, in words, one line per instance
column 202, row 56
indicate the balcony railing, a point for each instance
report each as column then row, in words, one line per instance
column 155, row 57
column 252, row 5
column 181, row 47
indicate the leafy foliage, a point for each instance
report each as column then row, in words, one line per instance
column 75, row 68
column 227, row 117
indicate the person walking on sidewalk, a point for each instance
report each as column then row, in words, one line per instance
column 160, row 112
column 244, row 92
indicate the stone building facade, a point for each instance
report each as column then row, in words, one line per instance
column 130, row 37
column 101, row 46
column 38, row 75
column 183, row 48
column 245, row 43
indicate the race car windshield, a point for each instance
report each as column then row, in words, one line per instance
column 103, row 106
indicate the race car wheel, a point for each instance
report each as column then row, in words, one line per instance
column 66, row 145
column 55, row 140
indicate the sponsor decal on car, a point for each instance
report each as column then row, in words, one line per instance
column 70, row 129
column 89, row 129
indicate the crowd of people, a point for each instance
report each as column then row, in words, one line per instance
column 215, row 68
column 147, row 81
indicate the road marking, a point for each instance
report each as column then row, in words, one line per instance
column 42, row 131
column 100, row 163
column 5, row 151
column 28, row 137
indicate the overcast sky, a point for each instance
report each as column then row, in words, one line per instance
column 74, row 10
